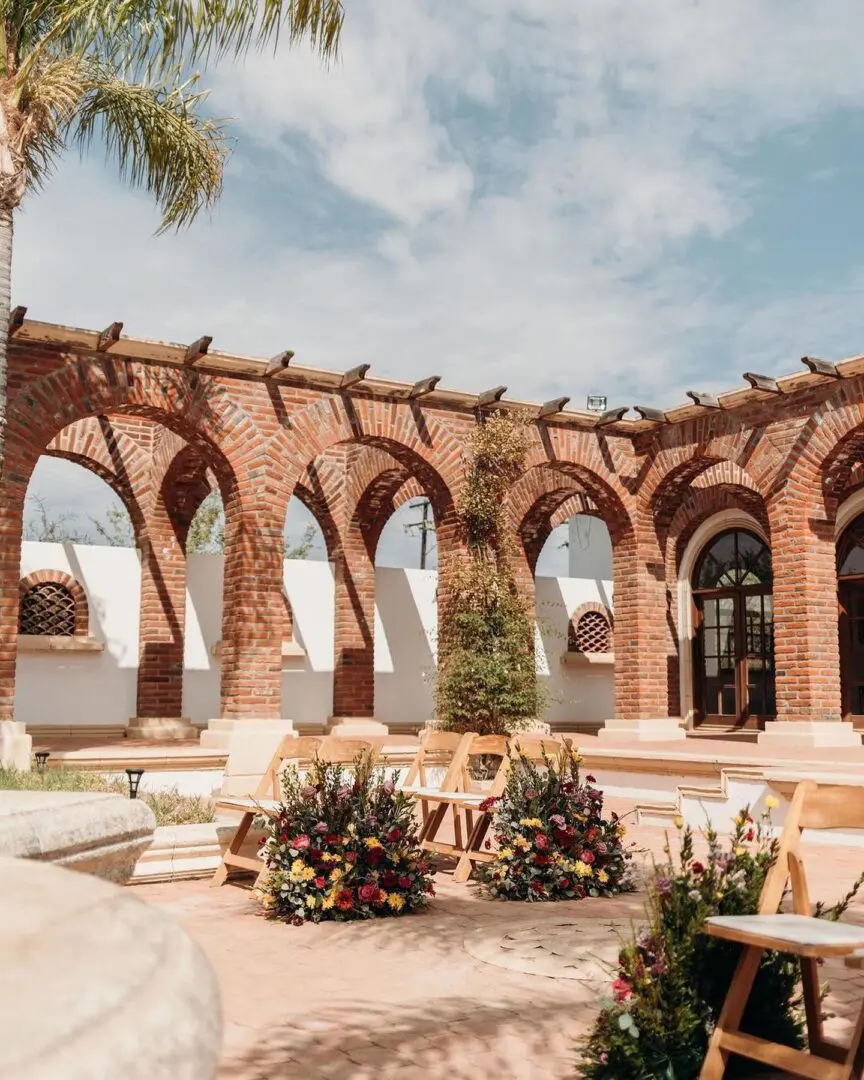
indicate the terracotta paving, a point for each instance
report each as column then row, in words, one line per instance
column 404, row 997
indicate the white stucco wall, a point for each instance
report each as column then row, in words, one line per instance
column 99, row 688
column 589, row 551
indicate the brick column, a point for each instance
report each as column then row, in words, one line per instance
column 162, row 632
column 806, row 638
column 644, row 649
column 354, row 641
column 15, row 743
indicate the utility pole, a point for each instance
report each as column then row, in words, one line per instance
column 424, row 525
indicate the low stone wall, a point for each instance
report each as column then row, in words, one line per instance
column 97, row 985
column 90, row 831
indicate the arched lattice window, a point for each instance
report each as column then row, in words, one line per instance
column 52, row 604
column 590, row 630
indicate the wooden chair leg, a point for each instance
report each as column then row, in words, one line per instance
column 465, row 865
column 433, row 823
column 714, row 1065
column 855, row 1056
column 224, row 869
column 812, row 1004
column 220, row 877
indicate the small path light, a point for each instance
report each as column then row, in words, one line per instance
column 41, row 757
column 134, row 780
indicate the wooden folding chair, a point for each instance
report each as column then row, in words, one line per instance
column 463, row 801
column 438, row 750
column 539, row 748
column 265, row 800
column 813, row 806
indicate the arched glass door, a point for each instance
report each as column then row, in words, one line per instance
column 734, row 623
column 850, row 574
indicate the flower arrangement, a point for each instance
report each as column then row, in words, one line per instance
column 343, row 847
column 552, row 840
column 672, row 979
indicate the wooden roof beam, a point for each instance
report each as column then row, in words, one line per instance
column 821, row 367
column 490, row 397
column 656, row 416
column 197, row 350
column 762, row 382
column 552, row 407
column 612, row 416
column 354, row 376
column 109, row 336
column 423, row 387
column 277, row 364
column 707, row 401
column 16, row 319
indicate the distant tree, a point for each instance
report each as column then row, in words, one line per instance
column 42, row 526
column 115, row 528
column 207, row 532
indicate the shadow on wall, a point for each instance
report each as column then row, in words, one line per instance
column 405, row 624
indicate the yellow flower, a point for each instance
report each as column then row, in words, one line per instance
column 395, row 901
column 300, row 871
column 521, row 842
column 336, row 874
column 719, row 894
column 740, row 851
column 328, row 902
column 621, row 830
column 531, row 823
column 602, row 877
column 311, row 901
column 771, row 802
column 581, row 869
column 371, row 842
column 678, row 821
column 505, row 853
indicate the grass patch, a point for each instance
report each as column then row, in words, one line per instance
column 169, row 807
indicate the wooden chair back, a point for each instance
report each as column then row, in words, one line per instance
column 437, row 749
column 299, row 748
column 338, row 751
column 488, row 746
column 813, row 806
column 540, row 748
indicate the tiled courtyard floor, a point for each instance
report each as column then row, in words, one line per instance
column 405, row 998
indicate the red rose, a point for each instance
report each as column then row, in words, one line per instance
column 404, row 882
column 488, row 804
column 590, row 779
column 749, row 835
column 541, row 841
column 564, row 883
column 588, row 857
column 333, row 839
column 350, row 856
column 367, row 893
column 424, row 866
column 537, row 887
column 345, row 900
column 314, row 854
column 592, row 834
column 320, row 882
column 389, row 879
column 561, row 836
column 301, row 842
column 542, row 860
column 394, row 836
column 698, row 868
column 621, row 989
column 374, row 855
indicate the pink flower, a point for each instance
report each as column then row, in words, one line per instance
column 405, row 882
column 320, row 882
column 367, row 893
column 308, row 792
column 301, row 842
column 320, row 828
column 587, row 857
column 394, row 835
column 530, row 794
column 388, row 787
column 541, row 841
column 698, row 868
column 558, row 819
column 621, row 989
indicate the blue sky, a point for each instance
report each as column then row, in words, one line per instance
column 613, row 196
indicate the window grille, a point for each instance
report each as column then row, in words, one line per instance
column 47, row 609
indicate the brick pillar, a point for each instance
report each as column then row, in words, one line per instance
column 15, row 743
column 644, row 647
column 162, row 632
column 354, row 640
column 806, row 638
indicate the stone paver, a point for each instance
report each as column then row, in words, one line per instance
column 405, row 998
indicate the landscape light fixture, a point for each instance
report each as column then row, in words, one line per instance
column 596, row 403
column 134, row 780
column 41, row 757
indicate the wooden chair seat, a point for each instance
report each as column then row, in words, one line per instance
column 800, row 935
column 471, row 798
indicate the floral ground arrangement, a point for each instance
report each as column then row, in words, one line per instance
column 553, row 842
column 343, row 847
column 673, row 979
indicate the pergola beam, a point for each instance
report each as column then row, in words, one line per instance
column 16, row 319
column 821, row 367
column 490, row 397
column 612, row 416
column 762, row 382
column 109, row 336
column 197, row 350
column 706, row 401
column 655, row 416
column 552, row 407
column 354, row 376
column 423, row 387
column 277, row 364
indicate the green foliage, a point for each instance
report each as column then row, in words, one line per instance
column 673, row 979
column 552, row 840
column 115, row 529
column 170, row 807
column 487, row 677
column 343, row 847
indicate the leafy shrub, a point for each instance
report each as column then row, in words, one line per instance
column 673, row 979
column 343, row 848
column 169, row 806
column 553, row 842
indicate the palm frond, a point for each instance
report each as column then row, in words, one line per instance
column 159, row 139
column 46, row 103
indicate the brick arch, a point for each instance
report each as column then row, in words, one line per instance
column 58, row 577
column 575, row 635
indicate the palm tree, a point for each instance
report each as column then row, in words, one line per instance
column 124, row 71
